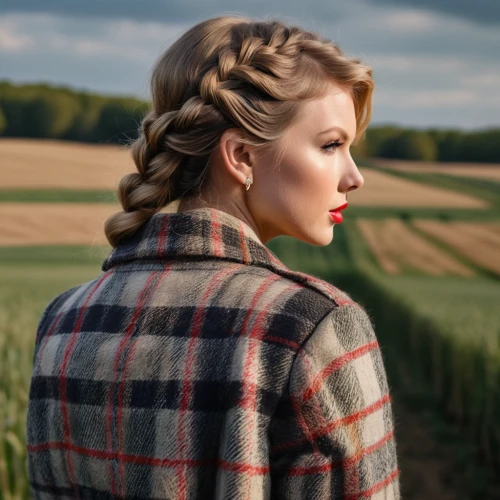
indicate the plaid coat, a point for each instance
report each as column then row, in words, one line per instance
column 198, row 366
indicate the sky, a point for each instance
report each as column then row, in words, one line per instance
column 435, row 62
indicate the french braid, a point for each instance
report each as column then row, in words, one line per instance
column 226, row 72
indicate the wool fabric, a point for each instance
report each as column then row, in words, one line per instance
column 198, row 366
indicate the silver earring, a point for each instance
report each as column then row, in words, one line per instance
column 248, row 181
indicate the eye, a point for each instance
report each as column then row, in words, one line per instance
column 335, row 144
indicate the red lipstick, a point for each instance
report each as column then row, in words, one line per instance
column 336, row 215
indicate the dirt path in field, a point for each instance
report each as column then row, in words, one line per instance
column 428, row 466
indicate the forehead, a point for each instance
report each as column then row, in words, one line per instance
column 334, row 107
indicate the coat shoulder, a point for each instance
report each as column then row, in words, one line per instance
column 300, row 294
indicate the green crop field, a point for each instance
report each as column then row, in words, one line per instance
column 30, row 278
column 57, row 195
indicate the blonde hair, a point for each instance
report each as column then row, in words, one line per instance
column 222, row 73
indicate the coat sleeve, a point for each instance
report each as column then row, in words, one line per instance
column 337, row 441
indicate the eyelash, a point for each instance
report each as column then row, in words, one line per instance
column 336, row 143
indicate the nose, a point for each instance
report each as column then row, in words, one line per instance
column 353, row 179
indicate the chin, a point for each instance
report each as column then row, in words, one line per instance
column 327, row 240
column 319, row 239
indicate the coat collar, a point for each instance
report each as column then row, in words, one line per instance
column 208, row 233
column 202, row 233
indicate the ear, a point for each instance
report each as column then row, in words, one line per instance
column 237, row 157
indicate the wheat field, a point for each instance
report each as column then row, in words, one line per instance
column 477, row 241
column 463, row 169
column 384, row 190
column 396, row 247
column 43, row 164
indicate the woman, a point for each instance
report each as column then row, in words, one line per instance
column 198, row 365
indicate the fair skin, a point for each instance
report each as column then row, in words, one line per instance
column 293, row 199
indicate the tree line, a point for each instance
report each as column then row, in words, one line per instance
column 59, row 112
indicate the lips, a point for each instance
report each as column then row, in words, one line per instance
column 336, row 215
column 339, row 208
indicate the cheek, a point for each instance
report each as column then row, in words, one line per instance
column 309, row 179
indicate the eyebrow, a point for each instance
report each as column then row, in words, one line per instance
column 340, row 129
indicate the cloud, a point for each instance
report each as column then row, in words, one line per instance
column 417, row 99
column 409, row 32
column 170, row 11
column 13, row 42
column 120, row 38
column 479, row 11
column 485, row 12
column 102, row 55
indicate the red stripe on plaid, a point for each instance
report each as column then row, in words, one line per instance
column 214, row 462
column 318, row 414
column 245, row 402
column 349, row 462
column 280, row 340
column 351, row 474
column 121, row 346
column 167, row 269
column 336, row 423
column 375, row 489
column 155, row 462
column 335, row 365
column 303, row 425
column 327, row 467
column 186, row 383
column 62, row 376
column 250, row 382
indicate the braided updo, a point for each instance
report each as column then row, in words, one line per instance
column 226, row 72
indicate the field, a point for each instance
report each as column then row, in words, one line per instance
column 384, row 190
column 49, row 164
column 477, row 171
column 418, row 250
column 54, row 223
column 478, row 242
column 397, row 247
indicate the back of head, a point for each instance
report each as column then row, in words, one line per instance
column 226, row 72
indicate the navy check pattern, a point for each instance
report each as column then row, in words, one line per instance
column 196, row 366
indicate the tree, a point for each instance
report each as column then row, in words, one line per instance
column 3, row 121
column 117, row 122
column 85, row 122
column 50, row 115
column 410, row 145
column 376, row 137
